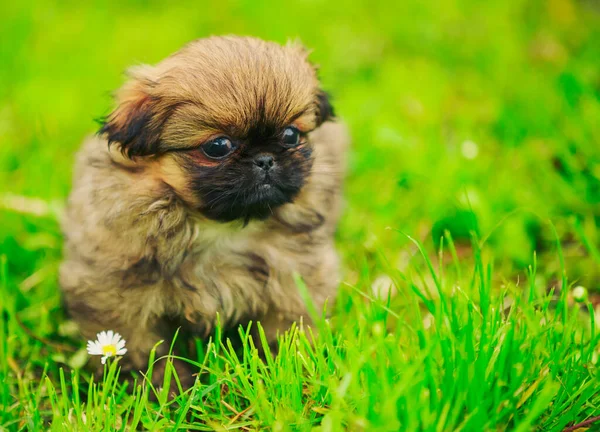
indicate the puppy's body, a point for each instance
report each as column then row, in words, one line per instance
column 147, row 243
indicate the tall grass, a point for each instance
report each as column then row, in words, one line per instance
column 456, row 352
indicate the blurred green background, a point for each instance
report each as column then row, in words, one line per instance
column 471, row 116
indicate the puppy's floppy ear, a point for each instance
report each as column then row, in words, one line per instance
column 324, row 108
column 135, row 124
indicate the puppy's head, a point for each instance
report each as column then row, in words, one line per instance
column 225, row 122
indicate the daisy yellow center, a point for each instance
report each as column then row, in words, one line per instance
column 109, row 350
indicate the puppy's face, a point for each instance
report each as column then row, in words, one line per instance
column 224, row 122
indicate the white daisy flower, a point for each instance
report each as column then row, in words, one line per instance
column 107, row 344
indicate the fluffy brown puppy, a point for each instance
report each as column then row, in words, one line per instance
column 216, row 178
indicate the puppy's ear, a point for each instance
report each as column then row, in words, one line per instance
column 135, row 124
column 324, row 108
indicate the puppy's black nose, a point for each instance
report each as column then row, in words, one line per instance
column 264, row 161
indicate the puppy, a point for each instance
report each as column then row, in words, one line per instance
column 215, row 179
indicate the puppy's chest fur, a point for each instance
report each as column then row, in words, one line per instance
column 237, row 272
column 200, row 268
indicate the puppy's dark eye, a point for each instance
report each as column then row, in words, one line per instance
column 218, row 148
column 291, row 136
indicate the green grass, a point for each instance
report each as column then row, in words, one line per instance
column 480, row 331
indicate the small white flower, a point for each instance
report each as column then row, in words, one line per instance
column 469, row 149
column 579, row 294
column 384, row 286
column 107, row 344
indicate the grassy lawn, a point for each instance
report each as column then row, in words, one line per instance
column 472, row 213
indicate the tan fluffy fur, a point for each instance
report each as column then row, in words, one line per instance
column 137, row 254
